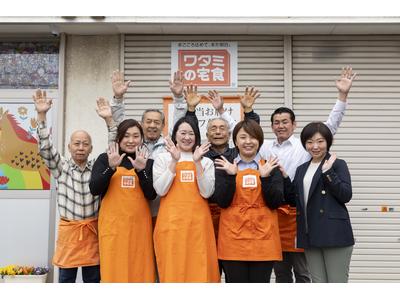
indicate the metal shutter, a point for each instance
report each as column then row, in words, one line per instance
column 368, row 139
column 147, row 62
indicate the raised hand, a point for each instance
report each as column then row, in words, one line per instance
column 248, row 98
column 343, row 84
column 223, row 164
column 42, row 103
column 283, row 171
column 266, row 169
column 103, row 108
column 216, row 101
column 114, row 158
column 176, row 84
column 142, row 154
column 200, row 151
column 328, row 163
column 172, row 149
column 118, row 85
column 191, row 96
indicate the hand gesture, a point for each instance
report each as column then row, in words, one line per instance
column 103, row 108
column 118, row 85
column 191, row 96
column 328, row 163
column 142, row 154
column 343, row 84
column 114, row 159
column 176, row 85
column 248, row 98
column 283, row 171
column 216, row 101
column 266, row 169
column 200, row 151
column 172, row 149
column 223, row 164
column 42, row 103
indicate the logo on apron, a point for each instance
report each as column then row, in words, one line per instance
column 128, row 182
column 187, row 176
column 249, row 181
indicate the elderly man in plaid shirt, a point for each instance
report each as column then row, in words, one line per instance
column 77, row 243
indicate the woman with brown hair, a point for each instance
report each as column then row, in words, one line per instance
column 123, row 178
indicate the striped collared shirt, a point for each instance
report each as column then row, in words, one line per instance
column 75, row 202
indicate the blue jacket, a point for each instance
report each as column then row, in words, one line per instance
column 327, row 223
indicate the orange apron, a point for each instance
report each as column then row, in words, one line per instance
column 184, row 239
column 125, row 231
column 288, row 228
column 248, row 229
column 77, row 244
column 215, row 214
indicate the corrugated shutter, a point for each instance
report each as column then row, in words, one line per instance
column 147, row 62
column 368, row 139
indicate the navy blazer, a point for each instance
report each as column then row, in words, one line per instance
column 327, row 223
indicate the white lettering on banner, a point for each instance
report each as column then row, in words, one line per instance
column 218, row 61
column 190, row 75
column 205, row 60
column 218, row 74
column 204, row 74
column 188, row 57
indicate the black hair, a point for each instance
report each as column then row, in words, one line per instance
column 195, row 128
column 252, row 128
column 316, row 127
column 282, row 110
column 124, row 126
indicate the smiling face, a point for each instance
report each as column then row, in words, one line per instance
column 185, row 137
column 131, row 139
column 80, row 146
column 283, row 127
column 218, row 133
column 317, row 147
column 246, row 144
column 152, row 124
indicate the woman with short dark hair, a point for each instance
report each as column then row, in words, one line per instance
column 123, row 178
column 248, row 191
column 320, row 189
column 184, row 239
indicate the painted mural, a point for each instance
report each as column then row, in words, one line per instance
column 21, row 167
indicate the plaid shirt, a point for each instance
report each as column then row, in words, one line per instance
column 75, row 202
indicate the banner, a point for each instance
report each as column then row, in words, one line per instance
column 207, row 64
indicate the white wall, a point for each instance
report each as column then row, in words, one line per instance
column 89, row 63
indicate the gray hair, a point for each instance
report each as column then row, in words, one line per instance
column 214, row 119
column 154, row 110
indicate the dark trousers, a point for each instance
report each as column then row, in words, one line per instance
column 247, row 271
column 89, row 274
column 295, row 260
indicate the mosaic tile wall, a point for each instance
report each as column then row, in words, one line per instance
column 29, row 65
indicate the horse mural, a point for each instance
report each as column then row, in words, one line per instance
column 21, row 166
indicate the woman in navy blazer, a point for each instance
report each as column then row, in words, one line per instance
column 320, row 190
